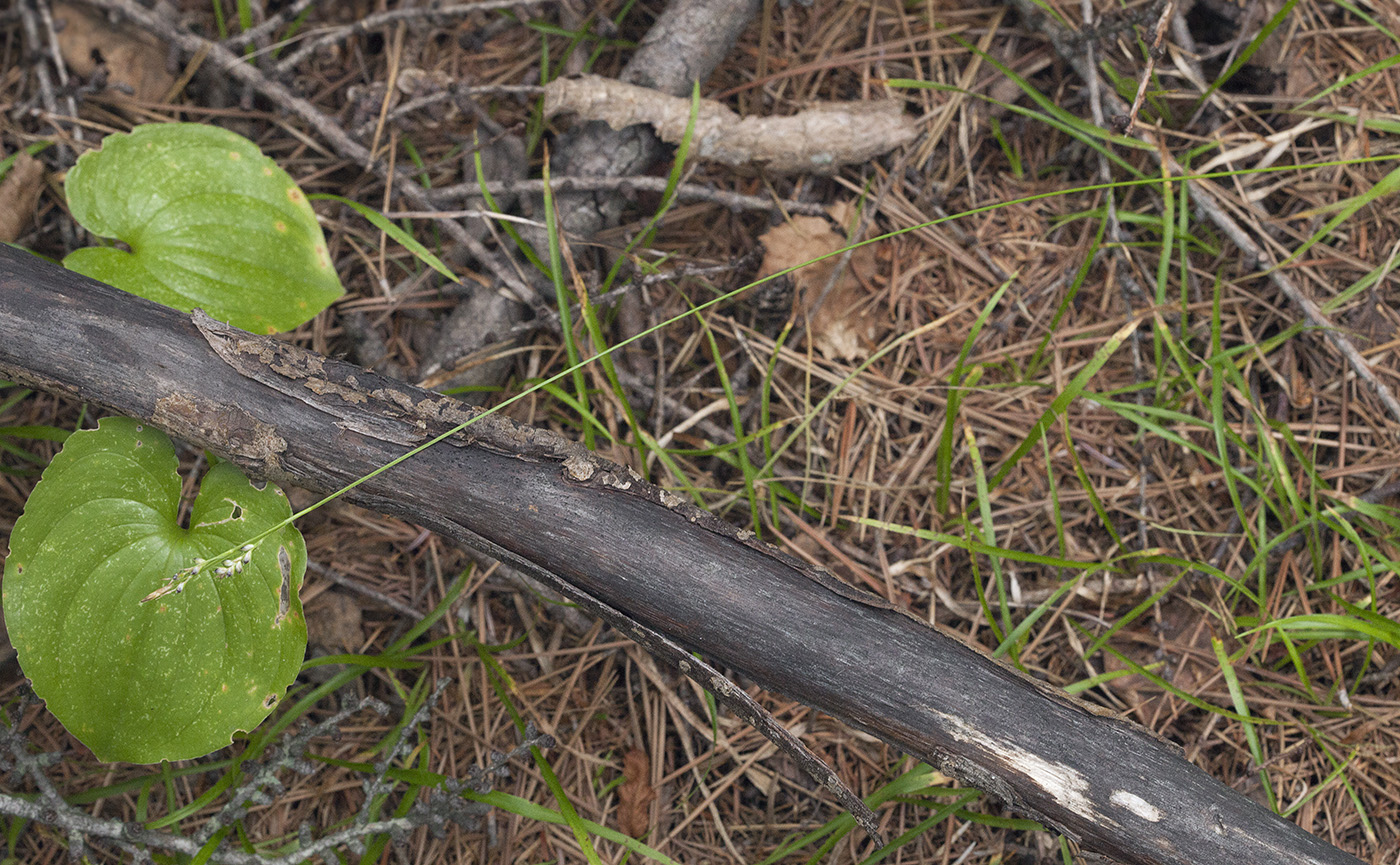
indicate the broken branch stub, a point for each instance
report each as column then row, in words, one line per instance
column 821, row 138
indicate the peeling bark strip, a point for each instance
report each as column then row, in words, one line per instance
column 543, row 503
column 822, row 138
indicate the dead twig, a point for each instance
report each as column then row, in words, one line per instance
column 1123, row 123
column 455, row 93
column 623, row 185
column 254, row 35
column 83, row 829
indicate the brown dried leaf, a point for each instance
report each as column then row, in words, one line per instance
column 635, row 794
column 822, row 138
column 19, row 196
column 133, row 57
column 843, row 327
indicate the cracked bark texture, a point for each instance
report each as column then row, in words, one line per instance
column 543, row 503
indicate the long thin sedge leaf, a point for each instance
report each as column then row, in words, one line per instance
column 722, row 298
column 386, row 225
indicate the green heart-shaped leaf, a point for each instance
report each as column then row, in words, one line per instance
column 211, row 223
column 170, row 679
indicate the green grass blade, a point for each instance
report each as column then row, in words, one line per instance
column 386, row 225
column 1251, row 735
column 564, row 299
column 504, row 686
column 1347, row 208
column 490, row 201
column 1071, row 393
column 989, row 537
column 956, row 382
column 737, row 420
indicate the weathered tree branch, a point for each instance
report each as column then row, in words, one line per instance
column 547, row 504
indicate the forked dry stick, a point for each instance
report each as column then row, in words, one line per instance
column 1124, row 123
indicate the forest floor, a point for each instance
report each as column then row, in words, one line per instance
column 1208, row 495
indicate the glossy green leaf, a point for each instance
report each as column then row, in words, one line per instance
column 210, row 221
column 176, row 677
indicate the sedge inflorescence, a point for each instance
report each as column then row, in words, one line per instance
column 175, row 584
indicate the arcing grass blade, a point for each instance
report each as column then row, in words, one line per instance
column 1014, row 636
column 1133, row 667
column 386, row 225
column 841, row 386
column 989, row 537
column 1219, row 424
column 1054, row 115
column 668, row 195
column 643, row 238
column 1343, row 83
column 504, row 686
column 1335, row 626
column 956, row 382
column 490, row 201
column 974, row 546
column 1061, row 402
column 939, row 814
column 1387, row 185
column 1091, row 255
column 736, row 418
column 563, row 300
column 9, row 161
column 1132, row 615
column 918, row 780
column 539, row 814
column 605, row 359
column 1251, row 735
column 768, row 464
column 1338, row 772
column 1087, row 486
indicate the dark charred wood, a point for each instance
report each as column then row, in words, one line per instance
column 547, row 504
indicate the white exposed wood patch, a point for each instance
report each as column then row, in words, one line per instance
column 1066, row 785
column 1138, row 805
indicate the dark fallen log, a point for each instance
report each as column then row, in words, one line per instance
column 545, row 503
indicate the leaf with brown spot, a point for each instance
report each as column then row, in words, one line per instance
column 101, row 540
